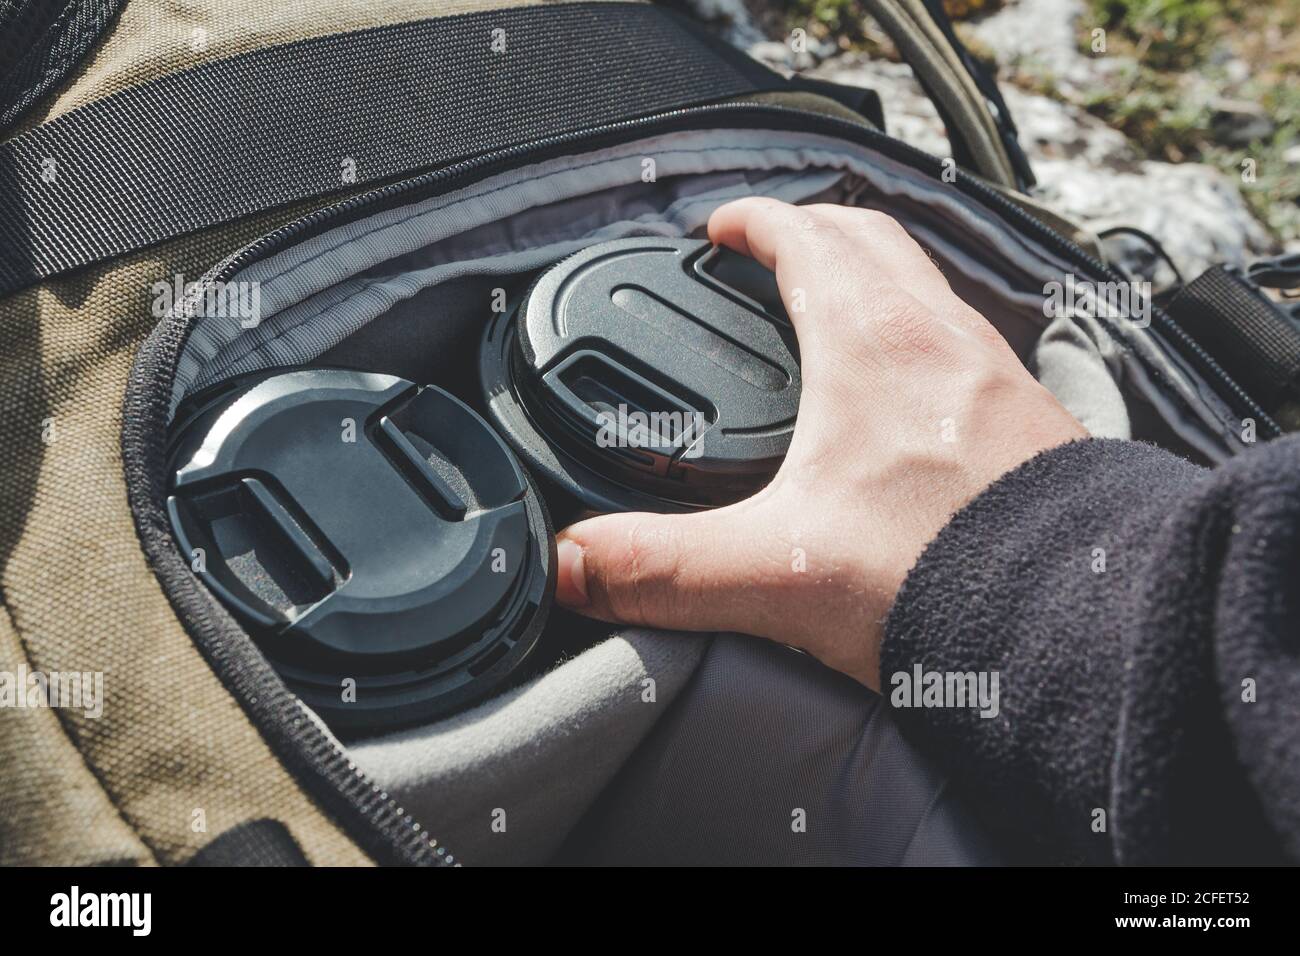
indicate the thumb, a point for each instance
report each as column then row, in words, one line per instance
column 690, row 572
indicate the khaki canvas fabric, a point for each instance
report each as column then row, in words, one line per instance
column 935, row 62
column 172, row 748
column 55, row 810
column 172, row 761
column 152, row 38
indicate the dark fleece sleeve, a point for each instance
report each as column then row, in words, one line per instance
column 1142, row 615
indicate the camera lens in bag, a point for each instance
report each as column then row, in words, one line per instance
column 379, row 540
column 646, row 374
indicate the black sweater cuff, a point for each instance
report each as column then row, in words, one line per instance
column 1085, row 580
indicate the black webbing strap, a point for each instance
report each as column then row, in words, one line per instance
column 1254, row 341
column 40, row 43
column 236, row 136
column 263, row 842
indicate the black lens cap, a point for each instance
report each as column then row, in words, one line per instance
column 382, row 543
column 647, row 374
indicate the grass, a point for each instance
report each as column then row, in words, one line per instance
column 1165, row 34
column 1173, row 45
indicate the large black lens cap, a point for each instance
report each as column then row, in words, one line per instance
column 388, row 551
column 668, row 365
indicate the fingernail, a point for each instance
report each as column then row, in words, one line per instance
column 571, row 581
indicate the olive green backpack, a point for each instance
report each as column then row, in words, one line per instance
column 143, row 141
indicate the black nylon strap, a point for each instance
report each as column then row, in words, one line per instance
column 1247, row 334
column 245, row 134
column 40, row 42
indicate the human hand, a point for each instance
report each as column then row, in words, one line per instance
column 912, row 404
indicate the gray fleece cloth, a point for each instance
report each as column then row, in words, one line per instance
column 506, row 781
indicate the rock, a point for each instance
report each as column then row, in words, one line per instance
column 1032, row 31
column 1236, row 71
column 909, row 114
column 1087, row 171
column 1039, row 40
column 1195, row 212
column 1239, row 122
column 773, row 53
column 1052, row 130
column 734, row 22
column 730, row 19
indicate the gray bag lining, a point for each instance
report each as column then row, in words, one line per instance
column 546, row 750
column 540, row 754
column 317, row 293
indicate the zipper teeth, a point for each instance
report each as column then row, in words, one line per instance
column 255, row 249
column 1063, row 244
column 806, row 121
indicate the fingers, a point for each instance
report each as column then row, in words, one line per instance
column 828, row 256
column 739, row 569
column 883, row 244
column 752, row 227
column 686, row 572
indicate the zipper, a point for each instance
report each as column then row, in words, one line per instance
column 426, row 184
column 738, row 115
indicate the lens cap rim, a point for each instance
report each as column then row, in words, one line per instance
column 409, row 692
column 512, row 392
column 551, row 465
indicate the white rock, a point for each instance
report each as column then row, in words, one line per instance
column 909, row 114
column 1040, row 38
column 1050, row 129
column 731, row 18
column 1195, row 212
column 1086, row 170
column 1028, row 31
column 773, row 53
